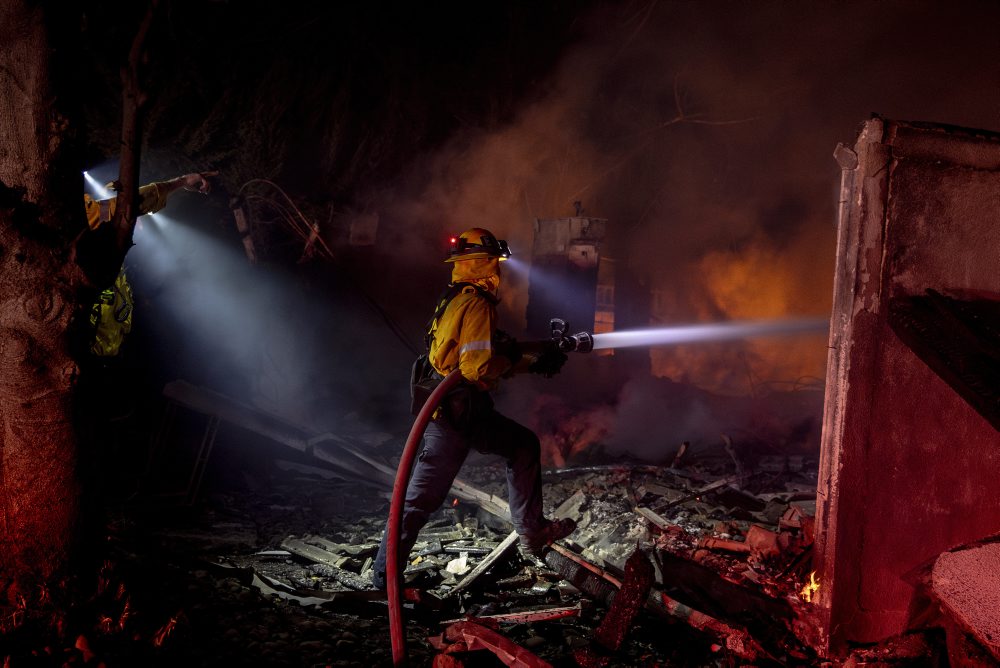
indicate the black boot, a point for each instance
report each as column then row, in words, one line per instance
column 536, row 542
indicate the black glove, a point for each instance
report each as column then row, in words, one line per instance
column 507, row 346
column 549, row 362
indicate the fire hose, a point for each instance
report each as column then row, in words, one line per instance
column 392, row 574
column 581, row 342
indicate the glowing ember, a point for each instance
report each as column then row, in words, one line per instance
column 107, row 624
column 126, row 613
column 104, row 577
column 160, row 636
column 454, row 502
column 16, row 618
column 810, row 588
column 44, row 597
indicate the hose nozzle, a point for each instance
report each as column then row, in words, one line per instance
column 581, row 342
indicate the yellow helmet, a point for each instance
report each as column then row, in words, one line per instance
column 477, row 243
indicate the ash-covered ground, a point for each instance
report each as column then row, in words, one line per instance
column 224, row 581
column 270, row 565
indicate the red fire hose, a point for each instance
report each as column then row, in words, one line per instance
column 392, row 574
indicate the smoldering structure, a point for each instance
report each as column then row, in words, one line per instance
column 718, row 556
column 755, row 559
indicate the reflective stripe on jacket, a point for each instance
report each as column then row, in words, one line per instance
column 463, row 338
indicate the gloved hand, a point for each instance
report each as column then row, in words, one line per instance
column 549, row 362
column 507, row 346
column 197, row 182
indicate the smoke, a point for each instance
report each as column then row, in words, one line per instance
column 655, row 415
column 704, row 132
column 254, row 332
column 565, row 431
column 220, row 321
column 762, row 279
column 649, row 417
column 501, row 180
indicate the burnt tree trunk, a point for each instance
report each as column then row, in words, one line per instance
column 47, row 283
column 39, row 488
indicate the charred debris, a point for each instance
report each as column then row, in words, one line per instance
column 693, row 565
column 249, row 541
column 704, row 560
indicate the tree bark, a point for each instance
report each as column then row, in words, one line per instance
column 41, row 214
column 133, row 99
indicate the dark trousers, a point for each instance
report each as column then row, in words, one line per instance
column 444, row 451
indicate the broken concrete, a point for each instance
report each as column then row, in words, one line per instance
column 905, row 458
column 966, row 583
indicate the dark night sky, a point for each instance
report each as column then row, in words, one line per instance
column 703, row 131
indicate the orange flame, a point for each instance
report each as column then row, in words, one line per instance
column 760, row 280
column 810, row 588
column 575, row 432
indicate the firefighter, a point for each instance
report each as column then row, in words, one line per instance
column 463, row 335
column 101, row 400
column 111, row 315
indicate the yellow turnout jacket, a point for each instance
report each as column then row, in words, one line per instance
column 462, row 337
column 152, row 198
column 111, row 316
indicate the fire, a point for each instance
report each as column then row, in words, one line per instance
column 810, row 588
column 759, row 280
column 566, row 432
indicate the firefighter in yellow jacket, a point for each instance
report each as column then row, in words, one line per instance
column 111, row 315
column 101, row 398
column 463, row 335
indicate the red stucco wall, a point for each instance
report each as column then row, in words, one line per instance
column 908, row 468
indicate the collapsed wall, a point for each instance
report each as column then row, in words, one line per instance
column 909, row 457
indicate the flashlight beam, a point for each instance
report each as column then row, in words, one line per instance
column 725, row 331
column 101, row 191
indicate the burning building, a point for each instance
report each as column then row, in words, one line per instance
column 702, row 132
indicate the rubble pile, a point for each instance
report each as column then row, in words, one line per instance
column 693, row 564
column 727, row 555
column 702, row 561
column 699, row 562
